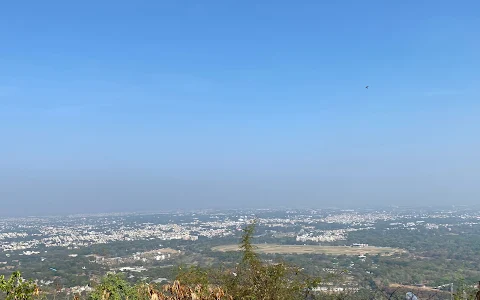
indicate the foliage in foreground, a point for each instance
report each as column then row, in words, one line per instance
column 17, row 288
column 250, row 279
column 254, row 279
column 114, row 287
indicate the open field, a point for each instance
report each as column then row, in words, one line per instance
column 414, row 288
column 313, row 249
column 422, row 292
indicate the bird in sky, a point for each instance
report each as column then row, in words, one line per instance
column 366, row 87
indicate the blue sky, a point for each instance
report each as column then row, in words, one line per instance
column 116, row 105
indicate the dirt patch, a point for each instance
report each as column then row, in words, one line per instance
column 313, row 249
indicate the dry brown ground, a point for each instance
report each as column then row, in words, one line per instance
column 313, row 249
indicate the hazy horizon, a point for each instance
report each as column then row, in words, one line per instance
column 116, row 107
column 255, row 210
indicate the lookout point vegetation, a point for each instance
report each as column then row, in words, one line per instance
column 251, row 279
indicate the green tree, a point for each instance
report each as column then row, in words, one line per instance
column 254, row 279
column 17, row 288
column 113, row 287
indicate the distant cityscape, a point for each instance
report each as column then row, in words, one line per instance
column 73, row 249
column 81, row 231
